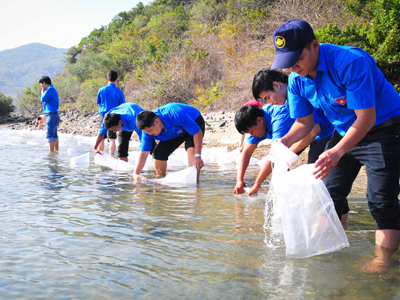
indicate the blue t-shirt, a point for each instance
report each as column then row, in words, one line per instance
column 177, row 119
column 347, row 79
column 278, row 121
column 50, row 100
column 108, row 97
column 128, row 113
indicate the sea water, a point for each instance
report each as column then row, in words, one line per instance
column 88, row 232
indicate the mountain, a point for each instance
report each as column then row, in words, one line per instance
column 22, row 66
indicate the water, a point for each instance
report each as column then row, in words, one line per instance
column 91, row 233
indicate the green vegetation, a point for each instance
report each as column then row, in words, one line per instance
column 205, row 52
column 6, row 106
column 22, row 66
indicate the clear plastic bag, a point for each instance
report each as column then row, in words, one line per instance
column 80, row 161
column 186, row 176
column 310, row 223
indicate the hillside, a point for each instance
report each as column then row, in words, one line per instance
column 22, row 66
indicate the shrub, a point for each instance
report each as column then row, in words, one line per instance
column 6, row 106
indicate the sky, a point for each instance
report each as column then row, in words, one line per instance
column 57, row 23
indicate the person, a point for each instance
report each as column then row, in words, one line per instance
column 50, row 102
column 121, row 119
column 109, row 97
column 242, row 136
column 365, row 111
column 39, row 121
column 171, row 124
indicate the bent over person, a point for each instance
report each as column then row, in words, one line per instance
column 121, row 120
column 171, row 125
column 50, row 102
column 365, row 111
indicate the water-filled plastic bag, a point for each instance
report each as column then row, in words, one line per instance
column 80, row 161
column 186, row 176
column 310, row 224
column 106, row 160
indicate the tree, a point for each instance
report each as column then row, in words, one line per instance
column 6, row 106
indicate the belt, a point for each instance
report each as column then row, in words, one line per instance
column 51, row 114
column 395, row 120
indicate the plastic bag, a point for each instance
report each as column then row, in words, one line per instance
column 116, row 164
column 186, row 176
column 310, row 223
column 80, row 161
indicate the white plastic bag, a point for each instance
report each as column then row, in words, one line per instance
column 310, row 223
column 186, row 176
column 80, row 161
column 116, row 164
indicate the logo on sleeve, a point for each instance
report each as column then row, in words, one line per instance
column 340, row 100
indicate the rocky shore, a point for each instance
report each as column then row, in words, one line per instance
column 220, row 129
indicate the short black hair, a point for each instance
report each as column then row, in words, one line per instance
column 45, row 79
column 111, row 120
column 112, row 75
column 263, row 81
column 39, row 118
column 246, row 117
column 145, row 119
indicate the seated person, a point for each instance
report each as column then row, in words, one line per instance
column 250, row 102
column 171, row 125
column 39, row 121
column 273, row 121
column 121, row 119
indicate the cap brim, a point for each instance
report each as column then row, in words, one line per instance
column 286, row 59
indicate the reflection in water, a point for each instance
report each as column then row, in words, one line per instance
column 107, row 238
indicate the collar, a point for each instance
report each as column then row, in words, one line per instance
column 322, row 65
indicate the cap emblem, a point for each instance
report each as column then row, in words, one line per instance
column 280, row 42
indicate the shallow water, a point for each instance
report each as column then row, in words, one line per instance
column 90, row 233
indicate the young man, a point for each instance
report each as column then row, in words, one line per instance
column 109, row 97
column 121, row 119
column 50, row 109
column 365, row 111
column 242, row 136
column 274, row 121
column 171, row 125
column 39, row 121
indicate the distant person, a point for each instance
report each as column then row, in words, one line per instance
column 242, row 136
column 109, row 97
column 121, row 119
column 50, row 109
column 39, row 121
column 171, row 125
column 365, row 111
column 274, row 121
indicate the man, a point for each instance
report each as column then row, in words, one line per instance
column 121, row 119
column 108, row 97
column 273, row 121
column 50, row 102
column 39, row 121
column 171, row 125
column 242, row 136
column 365, row 111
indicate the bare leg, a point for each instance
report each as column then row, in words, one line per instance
column 343, row 220
column 53, row 146
column 112, row 146
column 161, row 167
column 123, row 158
column 56, row 145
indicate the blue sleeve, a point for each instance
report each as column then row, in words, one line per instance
column 146, row 142
column 98, row 98
column 300, row 107
column 122, row 99
column 47, row 95
column 103, row 129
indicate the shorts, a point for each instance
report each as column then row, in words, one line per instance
column 110, row 134
column 164, row 148
column 379, row 151
column 52, row 122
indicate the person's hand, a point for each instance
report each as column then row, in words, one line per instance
column 282, row 140
column 326, row 162
column 239, row 188
column 254, row 190
column 241, row 146
column 96, row 151
column 138, row 178
column 198, row 163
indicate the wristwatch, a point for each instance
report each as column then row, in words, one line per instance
column 197, row 155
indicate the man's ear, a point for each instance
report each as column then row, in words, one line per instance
column 276, row 85
column 120, row 123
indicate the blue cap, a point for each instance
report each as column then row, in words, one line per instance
column 289, row 42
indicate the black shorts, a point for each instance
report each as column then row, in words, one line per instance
column 110, row 134
column 164, row 148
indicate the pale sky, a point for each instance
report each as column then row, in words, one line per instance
column 57, row 23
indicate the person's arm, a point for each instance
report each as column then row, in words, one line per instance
column 264, row 173
column 198, row 145
column 243, row 164
column 307, row 140
column 241, row 142
column 365, row 121
column 99, row 138
column 141, row 161
column 300, row 128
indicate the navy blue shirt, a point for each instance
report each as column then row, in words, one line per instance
column 177, row 119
